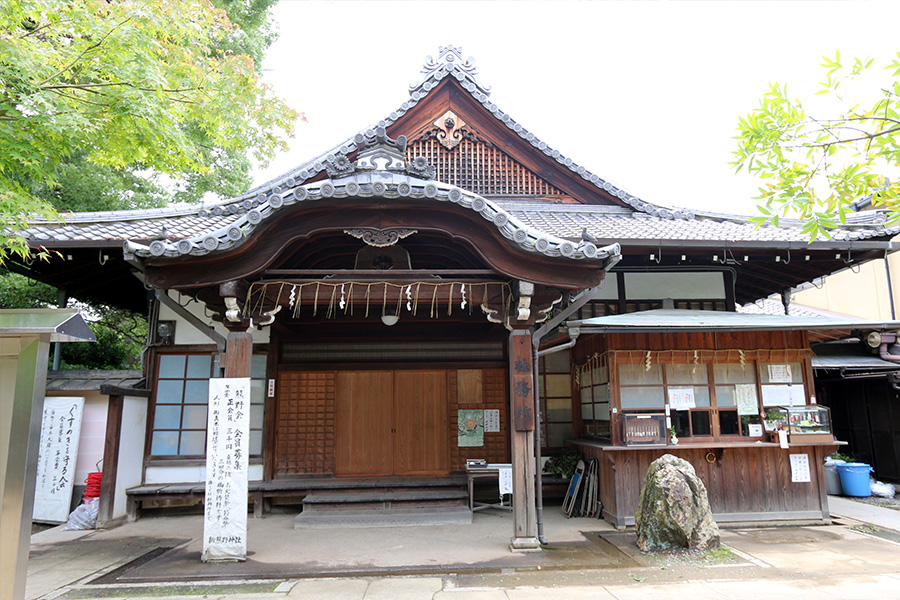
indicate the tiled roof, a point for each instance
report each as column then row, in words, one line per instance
column 90, row 379
column 200, row 229
column 623, row 224
column 450, row 63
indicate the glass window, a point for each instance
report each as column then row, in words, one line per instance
column 594, row 380
column 182, row 395
column 639, row 374
column 555, row 381
column 642, row 397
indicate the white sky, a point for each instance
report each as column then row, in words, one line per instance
column 646, row 95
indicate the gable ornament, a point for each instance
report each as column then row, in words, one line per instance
column 449, row 127
column 380, row 238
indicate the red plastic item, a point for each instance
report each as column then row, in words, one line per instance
column 93, row 486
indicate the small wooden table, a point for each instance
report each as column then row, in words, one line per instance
column 489, row 470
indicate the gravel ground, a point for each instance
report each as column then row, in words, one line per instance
column 893, row 503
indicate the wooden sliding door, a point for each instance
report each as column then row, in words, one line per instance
column 363, row 411
column 420, row 417
column 391, row 423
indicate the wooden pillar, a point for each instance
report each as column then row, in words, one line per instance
column 238, row 354
column 521, row 400
column 110, row 460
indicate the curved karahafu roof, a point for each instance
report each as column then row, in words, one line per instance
column 381, row 171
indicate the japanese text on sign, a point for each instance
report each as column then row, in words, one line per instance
column 227, row 447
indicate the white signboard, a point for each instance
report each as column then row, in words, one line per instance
column 754, row 430
column 780, row 374
column 491, row 421
column 227, row 447
column 504, row 475
column 800, row 468
column 60, row 431
column 783, row 395
column 681, row 398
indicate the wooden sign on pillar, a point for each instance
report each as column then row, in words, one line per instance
column 522, row 370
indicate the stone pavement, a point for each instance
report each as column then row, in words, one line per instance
column 586, row 558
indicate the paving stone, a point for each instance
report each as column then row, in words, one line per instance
column 333, row 589
column 418, row 588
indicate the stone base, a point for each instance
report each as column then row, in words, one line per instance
column 524, row 544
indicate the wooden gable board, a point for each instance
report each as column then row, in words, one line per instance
column 449, row 95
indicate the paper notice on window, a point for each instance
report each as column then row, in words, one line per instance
column 800, row 468
column 681, row 398
column 783, row 395
column 745, row 398
column 754, row 430
column 491, row 421
column 60, row 433
column 780, row 374
column 227, row 449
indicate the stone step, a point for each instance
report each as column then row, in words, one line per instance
column 460, row 515
column 357, row 496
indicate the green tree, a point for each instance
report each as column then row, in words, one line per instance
column 74, row 180
column 127, row 87
column 815, row 165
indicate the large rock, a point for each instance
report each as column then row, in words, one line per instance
column 674, row 510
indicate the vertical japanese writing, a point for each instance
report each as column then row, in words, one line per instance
column 522, row 383
column 60, row 432
column 228, row 426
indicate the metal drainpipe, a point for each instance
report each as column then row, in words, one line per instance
column 62, row 299
column 887, row 272
column 536, row 337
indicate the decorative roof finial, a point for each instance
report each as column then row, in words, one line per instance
column 449, row 62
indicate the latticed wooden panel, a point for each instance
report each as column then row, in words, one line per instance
column 304, row 438
column 496, row 445
column 480, row 168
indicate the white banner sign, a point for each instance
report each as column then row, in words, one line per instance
column 60, row 432
column 227, row 447
column 681, row 398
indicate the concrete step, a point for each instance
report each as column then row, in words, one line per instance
column 460, row 515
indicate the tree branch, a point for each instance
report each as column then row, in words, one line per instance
column 87, row 86
column 85, row 51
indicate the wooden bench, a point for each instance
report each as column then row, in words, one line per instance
column 136, row 496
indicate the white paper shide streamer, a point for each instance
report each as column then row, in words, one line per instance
column 227, row 447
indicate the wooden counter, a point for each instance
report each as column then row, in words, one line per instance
column 744, row 481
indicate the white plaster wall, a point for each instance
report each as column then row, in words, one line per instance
column 185, row 333
column 189, row 474
column 863, row 294
column 131, row 449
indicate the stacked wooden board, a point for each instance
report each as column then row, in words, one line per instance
column 582, row 498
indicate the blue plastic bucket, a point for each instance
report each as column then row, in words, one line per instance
column 855, row 479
